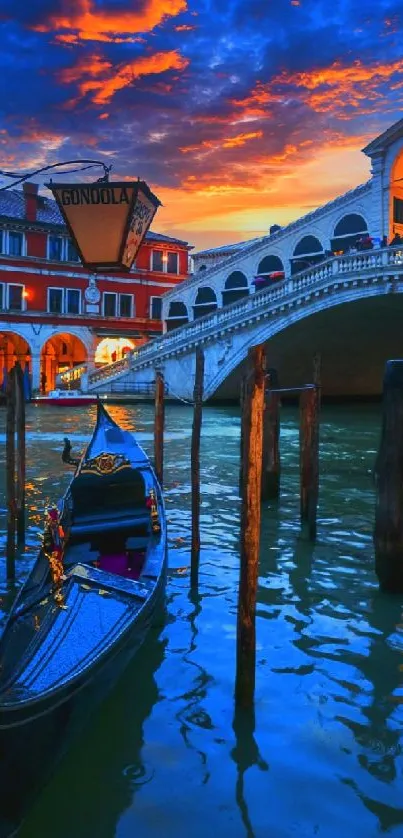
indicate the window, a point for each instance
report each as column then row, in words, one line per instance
column 157, row 261
column 109, row 304
column 72, row 255
column 15, row 297
column 55, row 300
column 15, row 243
column 155, row 308
column 125, row 305
column 72, row 301
column 172, row 263
column 55, row 248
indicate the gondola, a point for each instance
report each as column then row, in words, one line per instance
column 95, row 589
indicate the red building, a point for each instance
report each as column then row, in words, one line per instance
column 56, row 315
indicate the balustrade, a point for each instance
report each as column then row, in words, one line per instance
column 321, row 279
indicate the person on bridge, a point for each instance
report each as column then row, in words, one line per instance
column 396, row 240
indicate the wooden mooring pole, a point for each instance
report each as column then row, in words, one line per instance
column 195, row 467
column 159, row 420
column 388, row 530
column 309, row 460
column 271, row 441
column 20, row 453
column 10, row 474
column 252, row 433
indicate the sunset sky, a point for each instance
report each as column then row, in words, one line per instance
column 238, row 113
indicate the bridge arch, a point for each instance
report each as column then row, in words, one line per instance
column 236, row 287
column 178, row 315
column 268, row 328
column 205, row 302
column 350, row 227
column 308, row 251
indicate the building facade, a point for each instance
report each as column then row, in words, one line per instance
column 55, row 314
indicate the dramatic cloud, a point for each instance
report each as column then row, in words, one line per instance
column 239, row 113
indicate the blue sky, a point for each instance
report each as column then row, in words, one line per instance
column 239, row 114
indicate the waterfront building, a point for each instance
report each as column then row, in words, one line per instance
column 55, row 315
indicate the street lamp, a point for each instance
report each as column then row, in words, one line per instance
column 107, row 220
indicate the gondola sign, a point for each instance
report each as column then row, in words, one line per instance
column 107, row 221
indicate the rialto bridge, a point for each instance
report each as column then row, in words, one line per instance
column 345, row 304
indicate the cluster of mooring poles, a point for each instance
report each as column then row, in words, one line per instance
column 15, row 465
column 259, row 480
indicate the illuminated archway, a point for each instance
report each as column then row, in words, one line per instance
column 60, row 353
column 113, row 349
column 13, row 348
column 396, row 197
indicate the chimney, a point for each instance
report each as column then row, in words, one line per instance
column 31, row 200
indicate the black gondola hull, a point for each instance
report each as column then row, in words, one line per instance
column 32, row 745
column 69, row 637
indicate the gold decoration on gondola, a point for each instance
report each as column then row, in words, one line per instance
column 153, row 507
column 53, row 548
column 105, row 464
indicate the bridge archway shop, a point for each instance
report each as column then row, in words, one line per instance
column 178, row 315
column 309, row 251
column 236, row 287
column 205, row 303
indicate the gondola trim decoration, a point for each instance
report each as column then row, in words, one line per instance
column 105, row 464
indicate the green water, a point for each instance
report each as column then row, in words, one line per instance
column 165, row 757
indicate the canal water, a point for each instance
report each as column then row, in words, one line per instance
column 165, row 757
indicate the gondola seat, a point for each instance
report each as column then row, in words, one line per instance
column 109, row 504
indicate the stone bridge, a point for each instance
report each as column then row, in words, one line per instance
column 349, row 308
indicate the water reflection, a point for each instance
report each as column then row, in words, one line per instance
column 161, row 759
column 245, row 755
column 105, row 769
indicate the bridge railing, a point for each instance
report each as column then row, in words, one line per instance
column 282, row 293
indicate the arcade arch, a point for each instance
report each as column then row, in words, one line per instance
column 177, row 315
column 236, row 287
column 110, row 350
column 270, row 264
column 205, row 303
column 59, row 353
column 347, row 231
column 309, row 251
column 13, row 348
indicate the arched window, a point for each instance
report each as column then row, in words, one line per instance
column 206, row 302
column 202, row 268
column 177, row 315
column 236, row 287
column 348, row 231
column 309, row 251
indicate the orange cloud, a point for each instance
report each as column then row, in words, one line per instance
column 184, row 27
column 241, row 139
column 86, row 22
column 103, row 89
column 332, row 89
column 230, row 142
